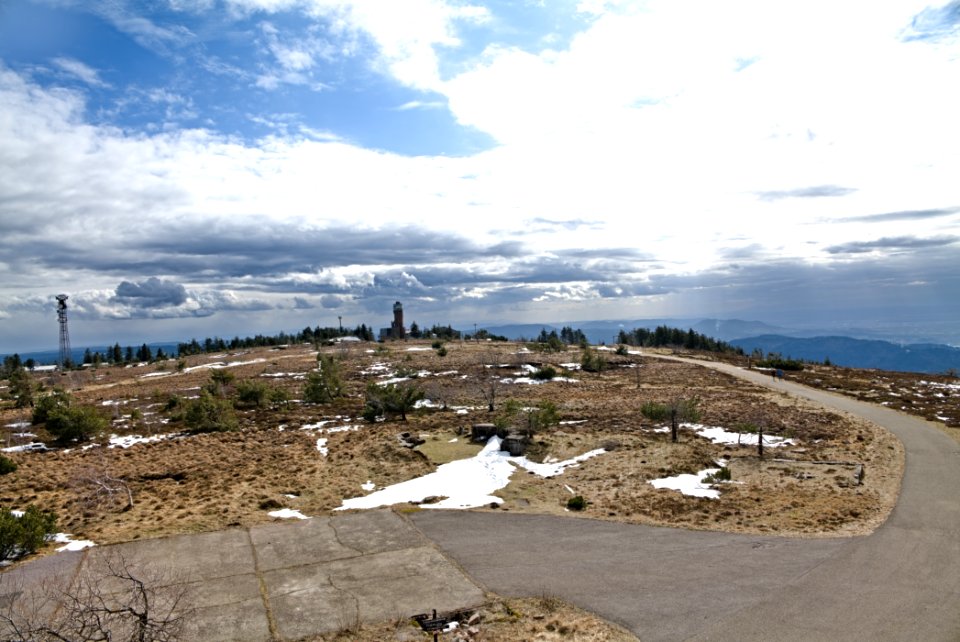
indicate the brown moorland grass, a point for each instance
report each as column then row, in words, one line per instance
column 191, row 483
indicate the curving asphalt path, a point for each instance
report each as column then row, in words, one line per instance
column 900, row 583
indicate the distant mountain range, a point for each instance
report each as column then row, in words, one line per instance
column 859, row 353
column 798, row 344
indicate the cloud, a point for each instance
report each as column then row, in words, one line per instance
column 935, row 23
column 331, row 302
column 422, row 104
column 80, row 70
column 907, row 215
column 300, row 303
column 152, row 293
column 897, row 243
column 818, row 191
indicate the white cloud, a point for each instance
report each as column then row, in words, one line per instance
column 82, row 71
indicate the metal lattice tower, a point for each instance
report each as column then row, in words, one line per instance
column 65, row 355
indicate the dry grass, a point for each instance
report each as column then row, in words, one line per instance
column 540, row 619
column 208, row 482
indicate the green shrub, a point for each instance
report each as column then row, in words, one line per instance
column 622, row 350
column 544, row 374
column 7, row 465
column 592, row 361
column 436, row 345
column 209, row 414
column 577, row 503
column 57, row 400
column 381, row 401
column 23, row 535
column 324, row 384
column 721, row 475
column 442, row 351
column 76, row 423
column 655, row 411
column 252, row 394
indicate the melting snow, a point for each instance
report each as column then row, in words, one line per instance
column 70, row 544
column 129, row 440
column 692, row 485
column 368, row 486
column 322, row 446
column 287, row 513
column 720, row 436
column 465, row 483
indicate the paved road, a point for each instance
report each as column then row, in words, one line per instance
column 901, row 583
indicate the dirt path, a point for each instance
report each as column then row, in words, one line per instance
column 901, row 583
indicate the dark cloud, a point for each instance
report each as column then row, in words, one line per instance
column 152, row 293
column 300, row 303
column 817, row 191
column 906, row 215
column 892, row 243
column 331, row 302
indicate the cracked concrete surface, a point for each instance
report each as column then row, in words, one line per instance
column 286, row 580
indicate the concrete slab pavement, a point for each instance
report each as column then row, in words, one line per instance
column 280, row 580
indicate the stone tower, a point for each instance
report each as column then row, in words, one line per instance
column 396, row 328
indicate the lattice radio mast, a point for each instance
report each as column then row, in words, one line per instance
column 65, row 355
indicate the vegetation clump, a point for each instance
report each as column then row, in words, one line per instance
column 577, row 503
column 383, row 401
column 23, row 535
column 324, row 384
column 210, row 414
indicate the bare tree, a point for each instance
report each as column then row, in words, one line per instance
column 489, row 380
column 94, row 487
column 114, row 599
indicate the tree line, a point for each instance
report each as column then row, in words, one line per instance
column 664, row 336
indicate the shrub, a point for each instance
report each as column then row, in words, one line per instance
column 544, row 374
column 390, row 399
column 57, row 400
column 7, row 465
column 622, row 350
column 209, row 414
column 324, row 384
column 577, row 503
column 279, row 396
column 592, row 361
column 721, row 475
column 252, row 394
column 23, row 535
column 77, row 423
column 442, row 351
column 436, row 345
column 655, row 411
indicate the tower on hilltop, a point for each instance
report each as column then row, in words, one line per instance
column 65, row 357
column 396, row 328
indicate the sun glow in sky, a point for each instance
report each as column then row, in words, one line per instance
column 215, row 167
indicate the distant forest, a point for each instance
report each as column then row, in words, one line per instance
column 663, row 337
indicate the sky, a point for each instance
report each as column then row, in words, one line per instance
column 192, row 168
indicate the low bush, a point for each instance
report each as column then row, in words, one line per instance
column 209, row 414
column 77, row 423
column 544, row 374
column 7, row 465
column 23, row 535
column 577, row 503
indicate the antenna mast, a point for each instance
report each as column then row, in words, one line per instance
column 65, row 355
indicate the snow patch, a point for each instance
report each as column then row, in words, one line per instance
column 464, row 483
column 287, row 513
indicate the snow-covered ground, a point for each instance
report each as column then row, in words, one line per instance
column 287, row 513
column 130, row 440
column 220, row 364
column 692, row 485
column 722, row 436
column 70, row 544
column 465, row 483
